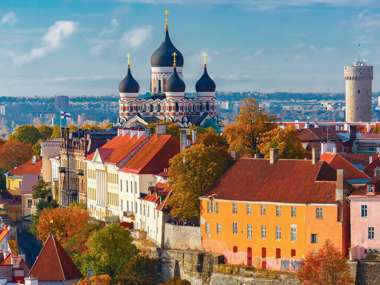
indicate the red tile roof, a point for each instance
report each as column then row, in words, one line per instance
column 337, row 161
column 287, row 181
column 320, row 134
column 54, row 264
column 27, row 168
column 370, row 168
column 119, row 148
column 154, row 156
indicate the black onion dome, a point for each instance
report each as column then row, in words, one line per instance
column 205, row 83
column 175, row 83
column 129, row 84
column 163, row 56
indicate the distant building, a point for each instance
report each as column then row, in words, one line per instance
column 167, row 101
column 358, row 79
column 61, row 103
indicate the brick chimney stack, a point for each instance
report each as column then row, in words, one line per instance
column 273, row 155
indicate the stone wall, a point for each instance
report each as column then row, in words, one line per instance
column 223, row 279
column 368, row 273
column 182, row 237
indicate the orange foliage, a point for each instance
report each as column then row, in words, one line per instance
column 14, row 153
column 325, row 267
column 96, row 280
column 64, row 223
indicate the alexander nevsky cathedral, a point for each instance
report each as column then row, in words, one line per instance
column 167, row 101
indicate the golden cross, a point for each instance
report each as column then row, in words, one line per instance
column 166, row 13
column 174, row 59
column 129, row 59
column 205, row 57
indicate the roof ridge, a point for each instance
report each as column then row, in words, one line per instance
column 59, row 257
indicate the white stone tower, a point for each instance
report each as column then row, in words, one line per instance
column 358, row 79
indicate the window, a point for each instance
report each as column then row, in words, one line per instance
column 208, row 207
column 371, row 232
column 30, row 202
column 235, row 249
column 216, row 207
column 263, row 231
column 319, row 213
column 121, row 204
column 249, row 231
column 234, row 208
column 263, row 210
column 135, row 187
column 293, row 253
column 234, row 228
column 278, row 252
column 293, row 212
column 263, row 252
column 218, row 228
column 313, row 238
column 121, row 185
column 364, row 211
column 377, row 171
column 249, row 209
column 278, row 211
column 370, row 188
column 278, row 233
column 207, row 228
column 293, row 232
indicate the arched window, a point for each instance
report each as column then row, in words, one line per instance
column 151, row 108
column 201, row 107
column 176, row 107
column 207, row 106
column 158, row 108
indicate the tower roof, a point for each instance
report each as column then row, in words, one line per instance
column 205, row 83
column 129, row 84
column 175, row 82
column 162, row 57
column 54, row 264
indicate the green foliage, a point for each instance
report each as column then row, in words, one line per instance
column 36, row 148
column 26, row 134
column 42, row 192
column 209, row 137
column 56, row 132
column 140, row 270
column 285, row 140
column 191, row 173
column 45, row 131
column 109, row 251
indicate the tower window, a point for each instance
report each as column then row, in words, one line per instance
column 359, row 91
column 176, row 106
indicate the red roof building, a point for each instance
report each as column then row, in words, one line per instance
column 53, row 264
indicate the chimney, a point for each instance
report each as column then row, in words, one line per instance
column 34, row 159
column 340, row 194
column 314, row 155
column 31, row 281
column 370, row 159
column 194, row 136
column 273, row 155
column 182, row 139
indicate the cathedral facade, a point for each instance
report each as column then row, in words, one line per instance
column 167, row 101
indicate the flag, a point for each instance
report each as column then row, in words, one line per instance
column 65, row 115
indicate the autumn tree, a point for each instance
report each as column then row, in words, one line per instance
column 327, row 266
column 14, row 153
column 27, row 134
column 69, row 225
column 56, row 132
column 103, row 279
column 244, row 134
column 176, row 281
column 140, row 270
column 45, row 131
column 209, row 137
column 109, row 251
column 285, row 140
column 191, row 173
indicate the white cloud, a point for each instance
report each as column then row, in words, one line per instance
column 136, row 37
column 52, row 40
column 103, row 41
column 366, row 19
column 9, row 18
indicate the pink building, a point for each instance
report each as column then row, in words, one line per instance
column 365, row 222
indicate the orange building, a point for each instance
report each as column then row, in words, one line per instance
column 271, row 213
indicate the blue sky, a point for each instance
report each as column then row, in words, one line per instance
column 79, row 47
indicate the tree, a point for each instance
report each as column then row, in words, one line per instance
column 140, row 270
column 176, row 281
column 243, row 135
column 327, row 266
column 42, row 192
column 209, row 137
column 285, row 140
column 65, row 224
column 45, row 131
column 191, row 173
column 14, row 153
column 56, row 132
column 109, row 251
column 27, row 134
column 96, row 280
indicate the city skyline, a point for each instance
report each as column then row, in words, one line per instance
column 80, row 47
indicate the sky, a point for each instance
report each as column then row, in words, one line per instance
column 79, row 47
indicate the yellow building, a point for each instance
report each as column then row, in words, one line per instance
column 271, row 213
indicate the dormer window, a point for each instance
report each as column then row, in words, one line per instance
column 370, row 189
